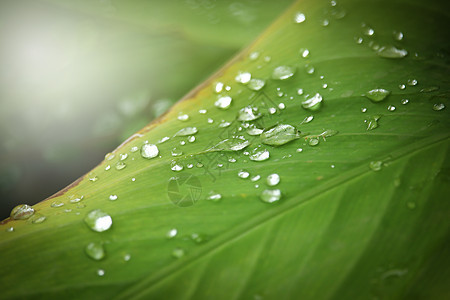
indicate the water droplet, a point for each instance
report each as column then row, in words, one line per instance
column 272, row 110
column 248, row 113
column 224, row 124
column 218, row 87
column 191, row 139
column 429, row 89
column 202, row 111
column 299, row 150
column 304, row 52
column 273, row 179
column 232, row 144
column 270, row 196
column 254, row 55
column 123, row 156
column 324, row 22
column 412, row 82
column 391, row 108
column 307, row 120
column 404, row 101
column 109, row 156
column 186, row 131
column 256, row 84
column 75, row 198
column 101, row 272
column 243, row 77
column 38, row 219
column 363, row 109
column 210, row 121
column 134, row 149
column 149, row 151
column 267, row 58
column 120, row 165
column 367, row 30
column 259, row 154
column 283, row 72
column 402, row 86
column 57, row 203
column 198, row 237
column 176, row 152
column 372, row 122
column 92, row 177
column 172, row 233
column 281, row 106
column 95, row 251
column 107, row 168
column 127, row 257
column 314, row 103
column 359, row 40
column 309, row 69
column 176, row 166
column 375, row 165
column 9, row 229
column 213, row 196
column 164, row 139
column 299, row 17
column 377, row 95
column 398, row 35
column 391, row 52
column 314, row 141
column 133, row 179
column 113, row 197
column 190, row 166
column 255, row 178
column 183, row 117
column 279, row 135
column 243, row 174
column 438, row 106
column 254, row 131
column 223, row 102
column 21, row 212
column 98, row 220
column 178, row 253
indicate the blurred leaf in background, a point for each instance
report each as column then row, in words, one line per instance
column 78, row 77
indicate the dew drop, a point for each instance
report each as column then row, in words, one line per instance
column 120, row 165
column 107, row 168
column 398, row 35
column 186, row 131
column 92, row 177
column 254, row 131
column 254, row 55
column 101, row 272
column 202, row 111
column 300, row 91
column 402, row 86
column 224, row 124
column 256, row 84
column 172, row 233
column 243, row 78
column 273, row 179
column 149, row 151
column 134, row 149
column 372, row 122
column 223, row 102
column 109, row 156
column 307, row 120
column 304, row 52
column 255, row 178
column 438, row 106
column 314, row 103
column 375, row 165
column 363, row 109
column 176, row 152
column 9, row 229
column 391, row 52
column 299, row 17
column 279, row 135
column 314, row 141
column 309, row 69
column 232, row 144
column 272, row 110
column 391, row 108
column 38, row 219
column 183, row 117
column 404, row 101
column 57, row 203
column 127, row 257
column 178, row 253
column 113, row 197
column 21, row 212
column 299, row 150
column 98, row 220
column 218, row 87
column 248, row 113
column 259, row 155
column 75, row 198
column 95, row 251
column 377, row 95
column 243, row 174
column 176, row 166
column 123, row 156
column 213, row 196
column 191, row 139
column 412, row 82
column 270, row 196
column 283, row 72
column 164, row 139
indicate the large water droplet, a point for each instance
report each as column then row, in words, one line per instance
column 95, row 251
column 243, row 77
column 438, row 106
column 283, row 72
column 248, row 113
column 273, row 179
column 377, row 95
column 232, row 144
column 149, row 151
column 243, row 174
column 21, row 212
column 372, row 122
column 175, row 166
column 98, row 220
column 391, row 52
column 223, row 102
column 259, row 154
column 412, row 82
column 256, row 84
column 187, row 131
column 299, row 17
column 314, row 141
column 270, row 196
column 314, row 103
column 279, row 135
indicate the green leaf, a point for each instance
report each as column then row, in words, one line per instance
column 362, row 211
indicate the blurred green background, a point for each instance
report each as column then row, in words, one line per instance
column 79, row 77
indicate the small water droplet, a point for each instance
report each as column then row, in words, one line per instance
column 391, row 108
column 183, row 117
column 281, row 106
column 314, row 103
column 279, row 135
column 256, row 84
column 176, row 152
column 109, row 156
column 254, row 131
column 202, row 111
column 191, row 139
column 272, row 110
column 127, row 257
column 134, row 149
column 232, row 144
column 402, row 86
column 367, row 30
column 255, row 178
column 404, row 101
column 57, row 203
column 254, row 55
column 176, row 166
column 243, row 77
column 324, row 22
column 270, row 196
column 149, row 151
column 224, row 124
column 248, row 113
column 38, row 219
column 304, row 52
column 412, row 82
column 438, row 106
column 210, row 121
column 164, row 139
column 21, row 212
column 123, row 156
column 98, row 220
column 398, row 35
column 213, row 196
column 75, row 198
column 375, row 165
column 113, row 197
column 187, row 131
column 359, row 40
column 300, row 91
column 307, row 120
column 299, row 150
column 178, row 253
column 363, row 109
column 218, row 87
column 259, row 154
column 101, row 272
column 372, row 122
column 299, row 17
column 198, row 238
column 243, row 174
column 107, row 168
column 120, row 165
column 309, row 69
column 391, row 52
column 133, row 179
column 283, row 72
column 9, row 229
column 95, row 251
column 92, row 177
column 314, row 141
column 273, row 179
column 172, row 233
column 223, row 102
column 377, row 95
